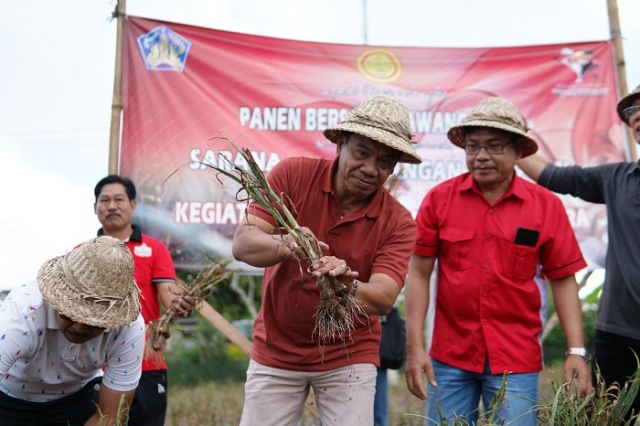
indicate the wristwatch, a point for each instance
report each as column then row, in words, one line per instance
column 583, row 352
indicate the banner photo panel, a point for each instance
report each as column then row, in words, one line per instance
column 186, row 88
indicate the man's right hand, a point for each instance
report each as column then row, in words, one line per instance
column 417, row 363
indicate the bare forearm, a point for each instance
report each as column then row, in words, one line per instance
column 113, row 407
column 569, row 310
column 255, row 244
column 417, row 297
column 533, row 166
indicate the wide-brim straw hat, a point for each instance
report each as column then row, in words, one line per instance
column 383, row 119
column 626, row 103
column 497, row 113
column 93, row 284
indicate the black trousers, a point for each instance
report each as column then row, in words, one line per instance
column 149, row 406
column 615, row 356
column 72, row 410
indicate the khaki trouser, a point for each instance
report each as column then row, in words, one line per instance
column 276, row 397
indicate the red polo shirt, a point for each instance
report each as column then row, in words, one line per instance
column 152, row 264
column 487, row 302
column 376, row 239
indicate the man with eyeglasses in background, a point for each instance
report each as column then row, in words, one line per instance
column 489, row 231
column 617, row 336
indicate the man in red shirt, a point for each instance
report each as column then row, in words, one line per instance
column 155, row 275
column 489, row 231
column 365, row 234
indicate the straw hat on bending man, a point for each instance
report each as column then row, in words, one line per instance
column 72, row 342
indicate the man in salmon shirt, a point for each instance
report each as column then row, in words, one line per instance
column 367, row 237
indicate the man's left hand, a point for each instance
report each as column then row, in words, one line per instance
column 184, row 305
column 576, row 370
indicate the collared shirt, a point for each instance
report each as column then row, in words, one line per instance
column 618, row 186
column 488, row 303
column 375, row 239
column 37, row 363
column 152, row 265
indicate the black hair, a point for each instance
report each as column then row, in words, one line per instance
column 129, row 187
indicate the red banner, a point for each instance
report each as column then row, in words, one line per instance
column 185, row 86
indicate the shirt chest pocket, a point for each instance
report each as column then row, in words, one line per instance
column 456, row 248
column 518, row 262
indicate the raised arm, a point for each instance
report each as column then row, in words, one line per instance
column 533, row 165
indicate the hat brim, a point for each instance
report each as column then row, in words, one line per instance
column 55, row 289
column 625, row 103
column 527, row 145
column 408, row 154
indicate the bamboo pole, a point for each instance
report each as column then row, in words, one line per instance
column 616, row 37
column 116, row 105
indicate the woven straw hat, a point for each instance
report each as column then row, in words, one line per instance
column 383, row 119
column 626, row 103
column 92, row 284
column 497, row 113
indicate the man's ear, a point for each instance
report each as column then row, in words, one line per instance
column 134, row 203
column 95, row 208
column 342, row 141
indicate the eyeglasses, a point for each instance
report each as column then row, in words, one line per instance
column 492, row 149
column 630, row 111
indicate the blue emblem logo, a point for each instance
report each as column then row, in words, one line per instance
column 163, row 49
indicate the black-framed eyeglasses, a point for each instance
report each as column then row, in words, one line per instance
column 492, row 149
column 630, row 111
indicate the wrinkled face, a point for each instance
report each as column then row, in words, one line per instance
column 76, row 332
column 113, row 208
column 634, row 121
column 492, row 171
column 364, row 165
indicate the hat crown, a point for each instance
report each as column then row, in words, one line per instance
column 93, row 284
column 385, row 113
column 100, row 269
column 496, row 113
column 498, row 110
column 383, row 119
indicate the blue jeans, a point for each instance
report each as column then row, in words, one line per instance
column 458, row 396
column 381, row 402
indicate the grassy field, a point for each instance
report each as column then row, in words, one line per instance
column 221, row 404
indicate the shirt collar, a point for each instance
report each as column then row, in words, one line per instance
column 516, row 188
column 52, row 317
column 372, row 209
column 136, row 235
